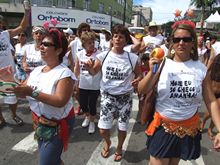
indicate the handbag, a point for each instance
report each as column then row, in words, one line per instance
column 148, row 108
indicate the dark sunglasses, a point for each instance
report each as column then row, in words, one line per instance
column 22, row 35
column 36, row 33
column 184, row 39
column 47, row 44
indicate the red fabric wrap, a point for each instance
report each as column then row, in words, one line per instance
column 63, row 125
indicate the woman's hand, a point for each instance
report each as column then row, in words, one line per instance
column 22, row 90
column 153, row 61
column 216, row 142
column 89, row 64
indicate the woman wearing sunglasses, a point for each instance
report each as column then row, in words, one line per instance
column 32, row 57
column 183, row 84
column 19, row 53
column 49, row 90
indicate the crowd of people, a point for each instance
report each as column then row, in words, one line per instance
column 60, row 67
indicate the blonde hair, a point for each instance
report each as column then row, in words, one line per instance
column 87, row 36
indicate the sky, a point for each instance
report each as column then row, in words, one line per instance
column 163, row 9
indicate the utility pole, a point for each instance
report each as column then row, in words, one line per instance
column 124, row 13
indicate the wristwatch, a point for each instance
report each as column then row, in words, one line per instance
column 35, row 93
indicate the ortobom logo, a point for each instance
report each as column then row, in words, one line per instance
column 42, row 17
column 97, row 22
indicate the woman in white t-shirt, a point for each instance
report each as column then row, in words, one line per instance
column 89, row 85
column 19, row 54
column 202, row 50
column 183, row 84
column 120, row 74
column 49, row 89
column 6, row 59
column 32, row 55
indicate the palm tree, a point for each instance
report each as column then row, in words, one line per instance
column 203, row 4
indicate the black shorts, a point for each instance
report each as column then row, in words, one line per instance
column 165, row 145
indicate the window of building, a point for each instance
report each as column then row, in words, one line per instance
column 73, row 3
column 101, row 7
column 62, row 3
column 87, row 4
column 110, row 10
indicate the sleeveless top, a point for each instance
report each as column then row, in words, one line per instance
column 46, row 83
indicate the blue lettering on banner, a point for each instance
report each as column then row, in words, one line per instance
column 42, row 17
column 97, row 22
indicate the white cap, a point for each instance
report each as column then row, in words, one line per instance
column 68, row 31
column 152, row 24
column 15, row 37
column 105, row 30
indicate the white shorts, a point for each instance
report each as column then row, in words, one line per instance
column 10, row 99
column 115, row 107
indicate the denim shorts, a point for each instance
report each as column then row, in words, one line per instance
column 50, row 151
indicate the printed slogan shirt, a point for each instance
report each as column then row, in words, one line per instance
column 117, row 72
column 180, row 89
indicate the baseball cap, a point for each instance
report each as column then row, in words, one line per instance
column 38, row 28
column 68, row 31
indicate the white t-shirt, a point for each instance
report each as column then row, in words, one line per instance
column 180, row 89
column 19, row 52
column 88, row 81
column 66, row 59
column 201, row 53
column 6, row 57
column 165, row 49
column 117, row 72
column 76, row 46
column 216, row 47
column 33, row 56
column 153, row 42
column 104, row 45
column 46, row 83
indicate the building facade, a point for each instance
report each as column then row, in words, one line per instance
column 120, row 11
column 141, row 16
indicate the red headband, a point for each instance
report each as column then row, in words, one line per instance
column 190, row 23
column 58, row 34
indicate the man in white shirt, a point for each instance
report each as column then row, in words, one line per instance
column 152, row 40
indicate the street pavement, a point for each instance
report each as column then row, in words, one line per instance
column 18, row 147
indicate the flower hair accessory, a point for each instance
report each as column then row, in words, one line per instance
column 53, row 22
column 58, row 33
column 190, row 23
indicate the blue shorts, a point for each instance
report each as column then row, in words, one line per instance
column 50, row 152
column 164, row 145
column 20, row 73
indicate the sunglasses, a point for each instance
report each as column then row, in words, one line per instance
column 22, row 35
column 184, row 39
column 47, row 44
column 36, row 33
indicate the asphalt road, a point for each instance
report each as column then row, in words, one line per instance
column 17, row 146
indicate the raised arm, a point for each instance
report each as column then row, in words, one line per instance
column 23, row 24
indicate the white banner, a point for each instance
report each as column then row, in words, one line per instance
column 205, row 25
column 69, row 17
